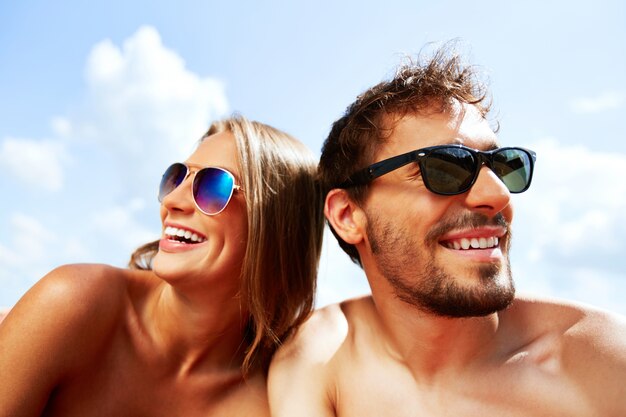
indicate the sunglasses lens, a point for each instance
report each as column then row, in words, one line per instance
column 448, row 171
column 212, row 189
column 514, row 168
column 171, row 179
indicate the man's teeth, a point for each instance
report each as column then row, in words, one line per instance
column 174, row 232
column 473, row 243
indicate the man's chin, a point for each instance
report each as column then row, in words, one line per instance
column 491, row 293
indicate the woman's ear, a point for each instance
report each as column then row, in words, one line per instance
column 344, row 216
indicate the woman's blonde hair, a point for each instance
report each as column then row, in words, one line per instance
column 285, row 224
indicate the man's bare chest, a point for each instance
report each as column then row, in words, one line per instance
column 508, row 391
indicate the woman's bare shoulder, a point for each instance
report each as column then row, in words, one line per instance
column 3, row 313
column 60, row 327
column 87, row 285
column 81, row 296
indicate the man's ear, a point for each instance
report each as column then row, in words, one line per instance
column 344, row 216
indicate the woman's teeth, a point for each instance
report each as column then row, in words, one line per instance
column 473, row 243
column 182, row 235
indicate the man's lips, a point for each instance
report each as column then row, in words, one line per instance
column 484, row 238
column 472, row 243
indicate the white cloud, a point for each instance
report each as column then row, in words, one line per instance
column 30, row 235
column 144, row 109
column 74, row 249
column 38, row 163
column 572, row 240
column 61, row 126
column 594, row 286
column 145, row 101
column 577, row 201
column 120, row 225
column 30, row 249
column 605, row 101
column 27, row 250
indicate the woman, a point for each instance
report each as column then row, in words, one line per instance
column 189, row 329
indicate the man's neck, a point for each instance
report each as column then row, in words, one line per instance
column 431, row 344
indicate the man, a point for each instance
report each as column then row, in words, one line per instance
column 443, row 333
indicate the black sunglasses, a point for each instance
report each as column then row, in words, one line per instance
column 212, row 187
column 453, row 169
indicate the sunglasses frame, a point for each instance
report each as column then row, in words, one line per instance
column 189, row 171
column 368, row 174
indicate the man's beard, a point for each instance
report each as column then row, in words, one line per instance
column 419, row 280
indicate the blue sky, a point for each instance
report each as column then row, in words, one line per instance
column 96, row 98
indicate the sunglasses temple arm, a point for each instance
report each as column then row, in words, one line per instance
column 374, row 171
column 384, row 167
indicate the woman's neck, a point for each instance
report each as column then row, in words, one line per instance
column 196, row 327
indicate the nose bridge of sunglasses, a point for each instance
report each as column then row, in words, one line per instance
column 483, row 158
column 491, row 177
column 182, row 183
column 186, row 179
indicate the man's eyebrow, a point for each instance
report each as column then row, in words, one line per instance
column 490, row 145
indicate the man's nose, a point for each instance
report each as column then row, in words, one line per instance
column 488, row 195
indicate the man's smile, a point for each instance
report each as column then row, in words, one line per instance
column 472, row 243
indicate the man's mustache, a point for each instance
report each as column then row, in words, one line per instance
column 466, row 221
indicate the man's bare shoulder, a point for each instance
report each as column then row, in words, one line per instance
column 550, row 313
column 576, row 322
column 302, row 374
column 585, row 344
column 320, row 337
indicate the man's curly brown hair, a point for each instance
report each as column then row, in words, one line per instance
column 419, row 86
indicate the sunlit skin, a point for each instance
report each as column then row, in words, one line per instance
column 389, row 355
column 104, row 341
